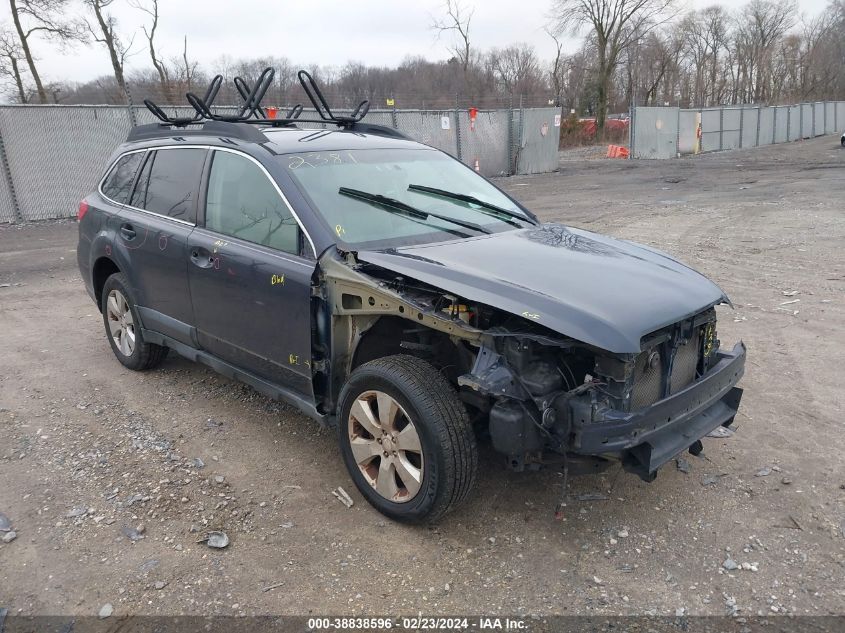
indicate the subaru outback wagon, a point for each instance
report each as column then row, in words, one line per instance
column 383, row 287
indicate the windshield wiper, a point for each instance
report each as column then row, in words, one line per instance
column 397, row 206
column 487, row 207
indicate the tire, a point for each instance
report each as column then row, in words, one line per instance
column 843, row 141
column 120, row 318
column 447, row 455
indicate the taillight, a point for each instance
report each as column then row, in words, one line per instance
column 83, row 209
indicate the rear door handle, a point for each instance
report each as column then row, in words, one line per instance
column 127, row 231
column 201, row 257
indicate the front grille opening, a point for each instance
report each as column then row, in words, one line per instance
column 648, row 379
column 649, row 369
column 686, row 362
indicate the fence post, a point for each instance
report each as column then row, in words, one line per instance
column 788, row 123
column 133, row 120
column 678, row 133
column 510, row 137
column 520, row 138
column 800, row 121
column 10, row 184
column 632, row 136
column 774, row 125
column 741, row 126
column 721, row 128
column 458, row 127
column 393, row 116
column 757, row 139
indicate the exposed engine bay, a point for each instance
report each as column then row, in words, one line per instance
column 537, row 393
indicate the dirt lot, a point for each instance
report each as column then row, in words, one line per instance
column 88, row 448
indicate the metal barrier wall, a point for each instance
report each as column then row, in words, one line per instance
column 484, row 143
column 688, row 121
column 766, row 126
column 52, row 156
column 654, row 132
column 734, row 127
column 538, row 141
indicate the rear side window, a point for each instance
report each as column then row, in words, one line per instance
column 169, row 183
column 117, row 185
column 242, row 202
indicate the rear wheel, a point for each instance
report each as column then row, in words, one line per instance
column 123, row 327
column 406, row 439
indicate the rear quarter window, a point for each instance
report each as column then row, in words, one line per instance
column 169, row 183
column 117, row 185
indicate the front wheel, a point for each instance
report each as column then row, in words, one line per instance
column 406, row 439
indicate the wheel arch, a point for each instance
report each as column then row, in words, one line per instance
column 103, row 268
column 390, row 335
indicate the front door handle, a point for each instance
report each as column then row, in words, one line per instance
column 127, row 231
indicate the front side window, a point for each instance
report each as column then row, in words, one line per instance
column 118, row 184
column 169, row 183
column 378, row 198
column 243, row 203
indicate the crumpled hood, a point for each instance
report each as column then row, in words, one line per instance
column 593, row 288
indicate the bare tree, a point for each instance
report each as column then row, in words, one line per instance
column 10, row 55
column 456, row 23
column 759, row 26
column 715, row 39
column 158, row 63
column 517, row 69
column 557, row 66
column 807, row 64
column 104, row 31
column 41, row 18
column 185, row 69
column 614, row 25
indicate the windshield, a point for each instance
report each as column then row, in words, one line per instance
column 407, row 177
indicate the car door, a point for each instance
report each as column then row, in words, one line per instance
column 153, row 231
column 250, row 284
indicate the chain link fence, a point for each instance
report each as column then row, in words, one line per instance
column 51, row 156
column 668, row 132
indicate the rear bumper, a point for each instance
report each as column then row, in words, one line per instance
column 648, row 438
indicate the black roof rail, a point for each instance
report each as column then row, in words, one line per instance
column 220, row 129
column 380, row 130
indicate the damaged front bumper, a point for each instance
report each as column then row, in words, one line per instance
column 648, row 438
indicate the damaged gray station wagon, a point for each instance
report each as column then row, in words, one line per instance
column 383, row 287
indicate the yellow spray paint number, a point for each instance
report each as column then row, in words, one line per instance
column 709, row 339
column 293, row 359
column 531, row 315
column 339, row 230
column 276, row 280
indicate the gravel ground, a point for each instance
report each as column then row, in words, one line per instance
column 109, row 478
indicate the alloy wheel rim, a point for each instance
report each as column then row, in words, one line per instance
column 386, row 446
column 121, row 323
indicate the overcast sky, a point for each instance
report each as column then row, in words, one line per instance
column 326, row 32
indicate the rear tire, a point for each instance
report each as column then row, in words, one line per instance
column 415, row 457
column 123, row 327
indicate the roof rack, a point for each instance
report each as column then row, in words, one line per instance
column 210, row 95
column 252, row 112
